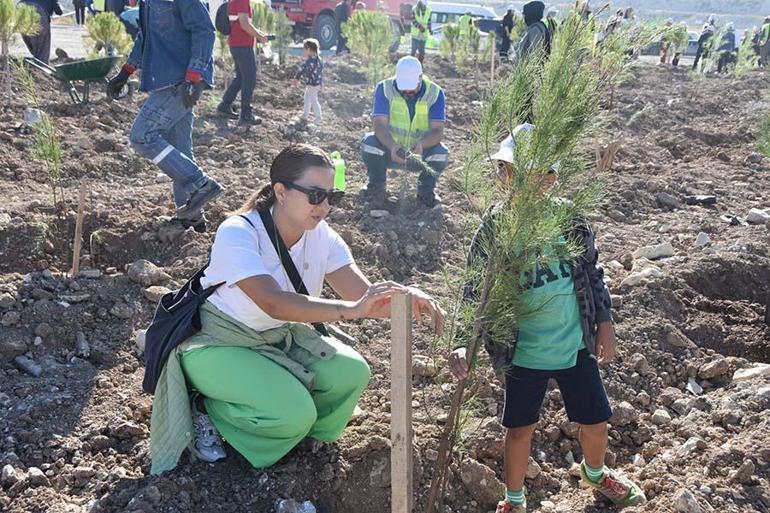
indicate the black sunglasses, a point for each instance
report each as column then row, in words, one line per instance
column 317, row 196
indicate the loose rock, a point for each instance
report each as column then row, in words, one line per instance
column 146, row 273
column 623, row 414
column 482, row 483
column 685, row 502
column 654, row 252
column 714, row 369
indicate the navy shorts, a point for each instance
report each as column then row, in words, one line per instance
column 581, row 389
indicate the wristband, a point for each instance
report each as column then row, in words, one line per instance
column 128, row 68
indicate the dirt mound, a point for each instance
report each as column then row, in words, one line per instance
column 690, row 395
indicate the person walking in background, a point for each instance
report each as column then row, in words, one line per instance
column 537, row 35
column 243, row 35
column 80, row 11
column 701, row 53
column 506, row 28
column 174, row 51
column 342, row 15
column 764, row 42
column 39, row 45
column 727, row 49
column 311, row 74
column 421, row 29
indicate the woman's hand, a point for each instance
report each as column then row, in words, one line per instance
column 458, row 363
column 425, row 305
column 375, row 303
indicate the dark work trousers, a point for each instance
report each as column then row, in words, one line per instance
column 505, row 47
column 80, row 13
column 245, row 81
column 342, row 42
column 39, row 45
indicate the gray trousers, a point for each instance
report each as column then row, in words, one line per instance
column 39, row 45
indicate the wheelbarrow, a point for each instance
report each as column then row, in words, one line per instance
column 87, row 71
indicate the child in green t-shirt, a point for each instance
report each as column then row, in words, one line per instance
column 565, row 338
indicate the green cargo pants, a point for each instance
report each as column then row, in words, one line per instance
column 262, row 410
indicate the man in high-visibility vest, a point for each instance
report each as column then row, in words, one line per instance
column 764, row 42
column 420, row 29
column 409, row 115
column 465, row 23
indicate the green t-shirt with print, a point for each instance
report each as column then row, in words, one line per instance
column 550, row 333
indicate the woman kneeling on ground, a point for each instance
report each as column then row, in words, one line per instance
column 263, row 376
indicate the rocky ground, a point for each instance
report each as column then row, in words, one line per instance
column 691, row 385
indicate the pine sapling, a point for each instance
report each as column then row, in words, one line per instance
column 15, row 19
column 106, row 32
column 283, row 35
column 369, row 36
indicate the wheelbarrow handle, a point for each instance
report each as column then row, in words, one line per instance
column 42, row 66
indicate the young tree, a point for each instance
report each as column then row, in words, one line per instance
column 21, row 19
column 560, row 96
column 106, row 32
column 369, row 36
column 283, row 35
column 450, row 41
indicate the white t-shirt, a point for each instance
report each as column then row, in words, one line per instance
column 241, row 251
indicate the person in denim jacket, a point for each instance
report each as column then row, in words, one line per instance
column 173, row 48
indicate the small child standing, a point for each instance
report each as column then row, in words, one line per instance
column 310, row 73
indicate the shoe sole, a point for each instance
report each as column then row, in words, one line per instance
column 197, row 203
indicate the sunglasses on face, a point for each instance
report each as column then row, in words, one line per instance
column 316, row 196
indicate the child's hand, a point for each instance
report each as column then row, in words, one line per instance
column 458, row 363
column 605, row 342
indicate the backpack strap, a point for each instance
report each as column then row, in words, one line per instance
column 286, row 261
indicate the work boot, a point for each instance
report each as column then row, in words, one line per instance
column 210, row 190
column 507, row 507
column 227, row 113
column 429, row 199
column 250, row 121
column 618, row 489
column 207, row 444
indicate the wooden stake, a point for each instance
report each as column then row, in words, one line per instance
column 78, row 231
column 401, row 459
column 492, row 72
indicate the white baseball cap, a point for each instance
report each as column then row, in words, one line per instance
column 408, row 73
column 508, row 146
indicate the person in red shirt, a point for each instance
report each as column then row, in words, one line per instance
column 243, row 35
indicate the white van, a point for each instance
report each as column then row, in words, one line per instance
column 444, row 12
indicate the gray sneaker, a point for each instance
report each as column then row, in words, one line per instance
column 210, row 190
column 207, row 444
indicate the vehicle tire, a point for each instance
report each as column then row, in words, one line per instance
column 326, row 31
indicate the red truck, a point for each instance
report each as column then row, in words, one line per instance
column 316, row 17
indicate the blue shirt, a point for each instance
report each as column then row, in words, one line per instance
column 174, row 36
column 437, row 111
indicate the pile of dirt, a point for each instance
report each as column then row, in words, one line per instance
column 690, row 387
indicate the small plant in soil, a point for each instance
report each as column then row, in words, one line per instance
column 47, row 142
column 15, row 19
column 369, row 35
column 106, row 32
column 283, row 35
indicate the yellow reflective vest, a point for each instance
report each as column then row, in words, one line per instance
column 424, row 20
column 100, row 5
column 466, row 24
column 407, row 131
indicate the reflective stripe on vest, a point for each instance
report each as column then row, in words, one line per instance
column 405, row 131
column 423, row 20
